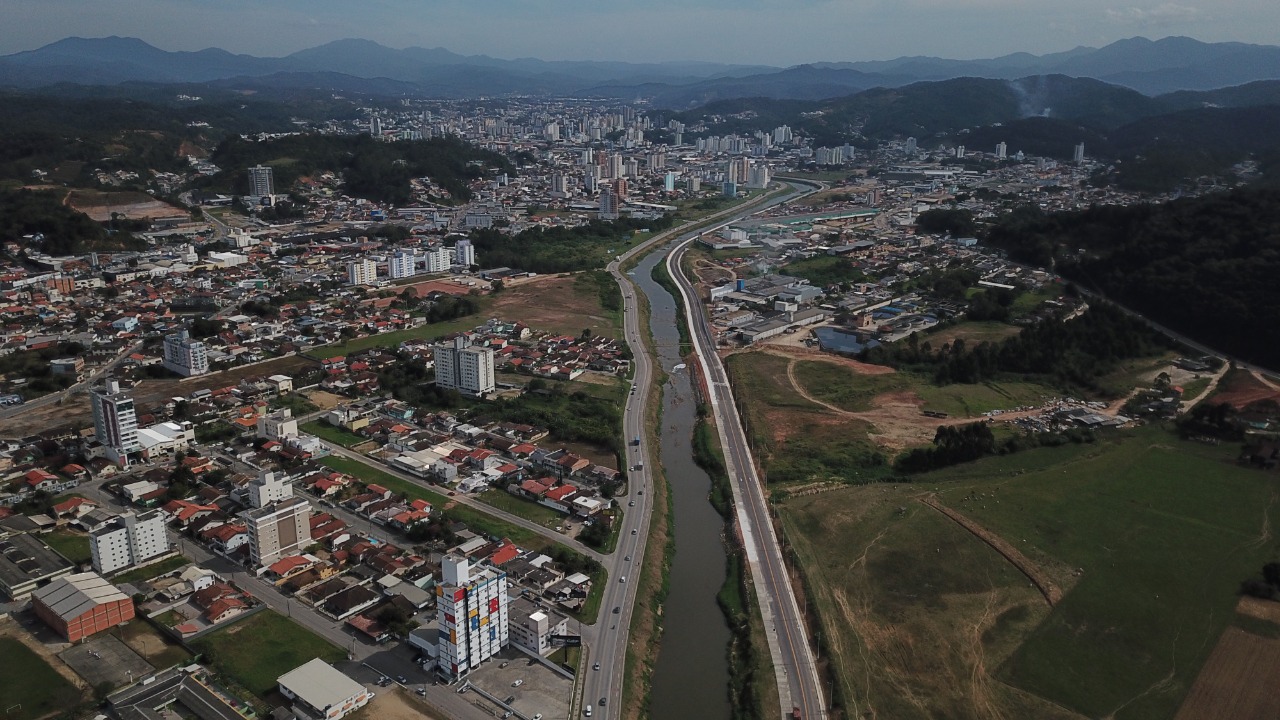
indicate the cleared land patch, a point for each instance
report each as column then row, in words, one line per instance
column 562, row 304
column 1237, row 682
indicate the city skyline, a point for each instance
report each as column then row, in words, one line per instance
column 756, row 32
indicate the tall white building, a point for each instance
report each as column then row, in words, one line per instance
column 402, row 264
column 115, row 422
column 463, row 367
column 185, row 356
column 261, row 181
column 362, row 272
column 128, row 540
column 268, row 488
column 759, row 176
column 464, row 253
column 1002, row 151
column 375, row 126
column 438, row 259
column 472, row 605
column 1078, row 156
column 278, row 530
column 278, row 425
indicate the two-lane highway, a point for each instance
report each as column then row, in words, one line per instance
column 795, row 667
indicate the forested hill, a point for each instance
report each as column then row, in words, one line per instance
column 1206, row 267
column 372, row 169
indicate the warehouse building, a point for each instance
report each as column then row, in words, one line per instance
column 78, row 606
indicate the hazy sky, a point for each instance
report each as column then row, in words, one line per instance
column 776, row 32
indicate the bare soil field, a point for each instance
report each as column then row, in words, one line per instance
column 324, row 400
column 1239, row 388
column 133, row 205
column 1237, row 682
column 394, row 705
column 553, row 303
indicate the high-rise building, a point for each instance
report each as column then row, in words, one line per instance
column 463, row 367
column 781, row 134
column 669, row 182
column 375, row 126
column 115, row 422
column 759, row 176
column 278, row 530
column 402, row 264
column 608, row 204
column 278, row 425
column 729, row 190
column 128, row 540
column 559, row 185
column 438, row 259
column 261, row 181
column 910, row 146
column 959, row 152
column 464, row 253
column 1078, row 156
column 1002, row 151
column 694, row 184
column 362, row 272
column 269, row 488
column 185, row 356
column 472, row 606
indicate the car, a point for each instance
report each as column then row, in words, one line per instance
column 503, row 664
column 596, row 666
column 617, row 609
column 508, row 714
column 631, row 504
column 622, row 579
column 402, row 680
column 510, row 699
column 536, row 716
column 627, row 558
column 518, row 683
column 640, row 491
column 422, row 691
column 452, row 493
column 633, row 531
column 602, row 702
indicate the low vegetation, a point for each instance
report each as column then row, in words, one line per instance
column 1149, row 535
column 30, row 688
column 257, row 650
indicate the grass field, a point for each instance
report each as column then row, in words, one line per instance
column 1150, row 536
column 146, row 573
column 256, row 651
column 335, row 435
column 72, row 546
column 393, row 339
column 796, row 439
column 29, row 686
column 972, row 332
column 851, row 391
column 520, row 507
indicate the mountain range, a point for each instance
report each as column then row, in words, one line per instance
column 1149, row 67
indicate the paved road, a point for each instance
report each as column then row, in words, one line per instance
column 606, row 641
column 81, row 386
column 464, row 499
column 794, row 664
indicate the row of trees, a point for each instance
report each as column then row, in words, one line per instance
column 64, row 231
column 562, row 249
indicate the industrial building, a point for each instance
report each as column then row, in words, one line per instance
column 78, row 606
column 320, row 692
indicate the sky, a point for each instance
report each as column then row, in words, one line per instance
column 769, row 32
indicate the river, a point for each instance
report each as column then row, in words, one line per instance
column 691, row 677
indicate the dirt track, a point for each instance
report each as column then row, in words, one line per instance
column 1052, row 593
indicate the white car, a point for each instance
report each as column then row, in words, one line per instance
column 517, row 683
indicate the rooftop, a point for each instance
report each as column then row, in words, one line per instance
column 319, row 684
column 74, row 595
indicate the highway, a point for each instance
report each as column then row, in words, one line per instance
column 794, row 664
column 606, row 641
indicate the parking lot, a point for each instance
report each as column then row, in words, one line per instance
column 541, row 690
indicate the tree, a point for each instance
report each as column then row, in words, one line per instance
column 496, row 286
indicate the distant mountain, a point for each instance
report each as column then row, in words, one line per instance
column 429, row 71
column 928, row 109
column 1150, row 67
